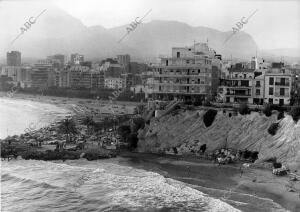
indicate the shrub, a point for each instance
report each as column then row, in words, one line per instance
column 197, row 103
column 139, row 123
column 295, row 113
column 244, row 109
column 280, row 115
column 209, row 117
column 133, row 140
column 277, row 165
column 267, row 110
column 206, row 103
column 271, row 160
column 273, row 128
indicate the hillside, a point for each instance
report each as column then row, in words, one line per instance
column 187, row 131
column 58, row 32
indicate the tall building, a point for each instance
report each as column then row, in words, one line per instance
column 187, row 75
column 42, row 78
column 124, row 59
column 13, row 58
column 43, row 74
column 58, row 59
column 76, row 59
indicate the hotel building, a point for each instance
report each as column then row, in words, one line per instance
column 187, row 75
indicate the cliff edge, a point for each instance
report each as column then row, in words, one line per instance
column 186, row 131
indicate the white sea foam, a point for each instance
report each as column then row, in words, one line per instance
column 113, row 184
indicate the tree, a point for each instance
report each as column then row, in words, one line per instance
column 295, row 113
column 267, row 110
column 88, row 121
column 139, row 123
column 68, row 127
column 133, row 140
column 124, row 132
column 244, row 109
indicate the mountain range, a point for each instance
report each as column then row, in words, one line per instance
column 58, row 32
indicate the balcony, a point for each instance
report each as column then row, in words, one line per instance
column 182, row 75
column 282, row 84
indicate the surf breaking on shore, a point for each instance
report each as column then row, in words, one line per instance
column 105, row 186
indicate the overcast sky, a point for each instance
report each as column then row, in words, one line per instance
column 276, row 24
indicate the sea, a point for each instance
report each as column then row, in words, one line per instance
column 81, row 185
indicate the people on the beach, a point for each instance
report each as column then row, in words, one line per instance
column 241, row 171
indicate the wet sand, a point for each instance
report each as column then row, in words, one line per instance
column 254, row 190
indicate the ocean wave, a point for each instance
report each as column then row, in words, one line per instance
column 100, row 186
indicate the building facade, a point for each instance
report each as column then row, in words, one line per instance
column 114, row 82
column 123, row 60
column 13, row 58
column 187, row 75
column 76, row 59
column 267, row 84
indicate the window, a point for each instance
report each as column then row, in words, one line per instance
column 198, row 71
column 257, row 92
column 271, row 101
column 257, row 83
column 281, row 91
column 245, row 75
column 178, row 54
column 271, row 91
column 271, row 81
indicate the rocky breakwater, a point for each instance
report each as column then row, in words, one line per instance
column 186, row 131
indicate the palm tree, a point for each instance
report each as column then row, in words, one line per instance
column 88, row 121
column 68, row 127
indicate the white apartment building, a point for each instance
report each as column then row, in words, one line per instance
column 113, row 82
column 268, row 84
column 278, row 88
column 186, row 75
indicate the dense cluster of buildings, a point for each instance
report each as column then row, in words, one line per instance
column 195, row 73
column 257, row 83
column 54, row 71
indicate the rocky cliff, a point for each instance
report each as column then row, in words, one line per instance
column 187, row 132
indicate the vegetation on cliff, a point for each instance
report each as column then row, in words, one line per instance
column 209, row 117
column 187, row 131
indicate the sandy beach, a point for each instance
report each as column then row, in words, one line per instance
column 256, row 190
column 99, row 106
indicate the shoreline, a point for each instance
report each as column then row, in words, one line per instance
column 224, row 182
column 214, row 181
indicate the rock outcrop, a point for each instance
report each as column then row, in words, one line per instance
column 187, row 132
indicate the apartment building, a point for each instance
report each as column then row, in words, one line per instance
column 271, row 84
column 238, row 86
column 42, row 78
column 187, row 75
column 278, row 88
column 80, row 77
column 76, row 59
column 13, row 58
